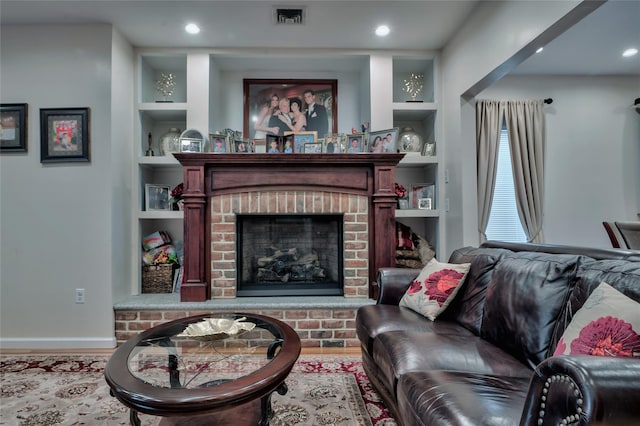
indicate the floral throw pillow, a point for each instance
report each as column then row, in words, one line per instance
column 607, row 325
column 436, row 286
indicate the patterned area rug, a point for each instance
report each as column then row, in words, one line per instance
column 71, row 390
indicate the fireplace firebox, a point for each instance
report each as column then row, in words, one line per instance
column 289, row 254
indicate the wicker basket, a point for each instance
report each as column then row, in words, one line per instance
column 157, row 278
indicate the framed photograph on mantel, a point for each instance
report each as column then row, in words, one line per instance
column 64, row 135
column 13, row 128
column 275, row 106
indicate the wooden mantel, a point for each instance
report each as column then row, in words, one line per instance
column 207, row 174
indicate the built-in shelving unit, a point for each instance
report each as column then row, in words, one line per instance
column 208, row 96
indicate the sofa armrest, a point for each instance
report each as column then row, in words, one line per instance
column 393, row 283
column 584, row 390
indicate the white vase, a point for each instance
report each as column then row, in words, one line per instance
column 170, row 141
column 409, row 140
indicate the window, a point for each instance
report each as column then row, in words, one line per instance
column 504, row 222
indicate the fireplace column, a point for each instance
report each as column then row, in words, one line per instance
column 194, row 285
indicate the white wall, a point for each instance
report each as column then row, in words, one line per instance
column 56, row 219
column 592, row 167
column 494, row 33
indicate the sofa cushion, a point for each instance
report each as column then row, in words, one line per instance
column 433, row 289
column 398, row 352
column 468, row 305
column 622, row 275
column 459, row 398
column 526, row 294
column 607, row 325
column 372, row 320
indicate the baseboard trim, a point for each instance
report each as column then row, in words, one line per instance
column 59, row 343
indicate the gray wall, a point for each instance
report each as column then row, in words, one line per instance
column 57, row 220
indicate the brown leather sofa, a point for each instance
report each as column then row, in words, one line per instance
column 487, row 359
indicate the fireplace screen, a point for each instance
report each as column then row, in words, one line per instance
column 289, row 255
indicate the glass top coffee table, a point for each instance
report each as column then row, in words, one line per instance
column 187, row 373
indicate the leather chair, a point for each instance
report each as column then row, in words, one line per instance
column 624, row 235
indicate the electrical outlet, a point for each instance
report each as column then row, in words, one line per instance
column 446, row 175
column 446, row 204
column 79, row 295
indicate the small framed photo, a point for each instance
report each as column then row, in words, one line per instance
column 423, row 191
column 241, row 146
column 258, row 146
column 219, row 143
column 424, row 203
column 13, row 127
column 156, row 197
column 64, row 135
column 280, row 144
column 302, row 138
column 355, row 143
column 313, row 148
column 190, row 145
column 333, row 144
column 383, row 141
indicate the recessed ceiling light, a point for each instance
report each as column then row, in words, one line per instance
column 540, row 49
column 192, row 29
column 382, row 30
column 632, row 51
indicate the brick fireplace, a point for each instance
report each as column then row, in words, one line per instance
column 218, row 188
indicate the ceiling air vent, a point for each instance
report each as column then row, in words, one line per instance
column 289, row 15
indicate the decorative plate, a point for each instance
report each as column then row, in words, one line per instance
column 217, row 328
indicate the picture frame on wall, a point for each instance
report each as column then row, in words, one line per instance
column 262, row 95
column 64, row 135
column 13, row 127
column 355, row 143
column 156, row 197
column 383, row 141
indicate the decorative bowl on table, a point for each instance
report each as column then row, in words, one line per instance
column 217, row 328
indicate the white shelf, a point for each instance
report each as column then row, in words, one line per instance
column 417, row 160
column 417, row 213
column 169, row 214
column 159, row 161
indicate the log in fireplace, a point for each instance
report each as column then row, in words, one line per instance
column 289, row 255
column 219, row 187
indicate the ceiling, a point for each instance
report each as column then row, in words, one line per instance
column 593, row 46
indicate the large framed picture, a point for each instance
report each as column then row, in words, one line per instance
column 275, row 106
column 157, row 197
column 13, row 127
column 64, row 135
column 383, row 140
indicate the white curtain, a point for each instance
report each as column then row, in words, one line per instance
column 525, row 126
column 489, row 115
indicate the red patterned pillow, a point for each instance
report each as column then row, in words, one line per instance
column 436, row 286
column 607, row 325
